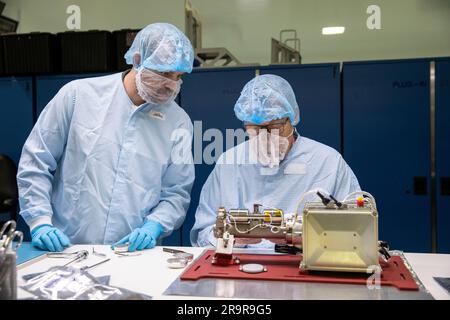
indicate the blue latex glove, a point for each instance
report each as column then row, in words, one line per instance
column 142, row 238
column 47, row 237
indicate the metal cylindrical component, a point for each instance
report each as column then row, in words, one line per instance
column 262, row 233
column 220, row 222
column 273, row 212
column 294, row 234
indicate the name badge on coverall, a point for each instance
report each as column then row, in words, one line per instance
column 157, row 115
column 295, row 168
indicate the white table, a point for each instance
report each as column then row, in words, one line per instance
column 149, row 274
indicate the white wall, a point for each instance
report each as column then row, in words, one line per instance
column 410, row 28
column 51, row 16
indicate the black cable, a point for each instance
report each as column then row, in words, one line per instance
column 324, row 199
column 339, row 204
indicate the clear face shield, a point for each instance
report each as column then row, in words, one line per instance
column 268, row 148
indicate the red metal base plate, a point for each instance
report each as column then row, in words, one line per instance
column 286, row 268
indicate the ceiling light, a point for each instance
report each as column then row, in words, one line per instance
column 332, row 30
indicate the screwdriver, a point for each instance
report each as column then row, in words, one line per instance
column 94, row 265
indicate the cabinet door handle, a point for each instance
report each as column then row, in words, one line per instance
column 445, row 186
column 420, row 186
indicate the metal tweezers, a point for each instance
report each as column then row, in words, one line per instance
column 173, row 250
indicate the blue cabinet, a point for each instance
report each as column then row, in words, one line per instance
column 46, row 89
column 208, row 96
column 16, row 116
column 386, row 124
column 317, row 88
column 443, row 154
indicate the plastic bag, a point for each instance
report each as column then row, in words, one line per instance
column 444, row 282
column 67, row 283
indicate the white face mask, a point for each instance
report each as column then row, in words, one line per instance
column 268, row 149
column 156, row 89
